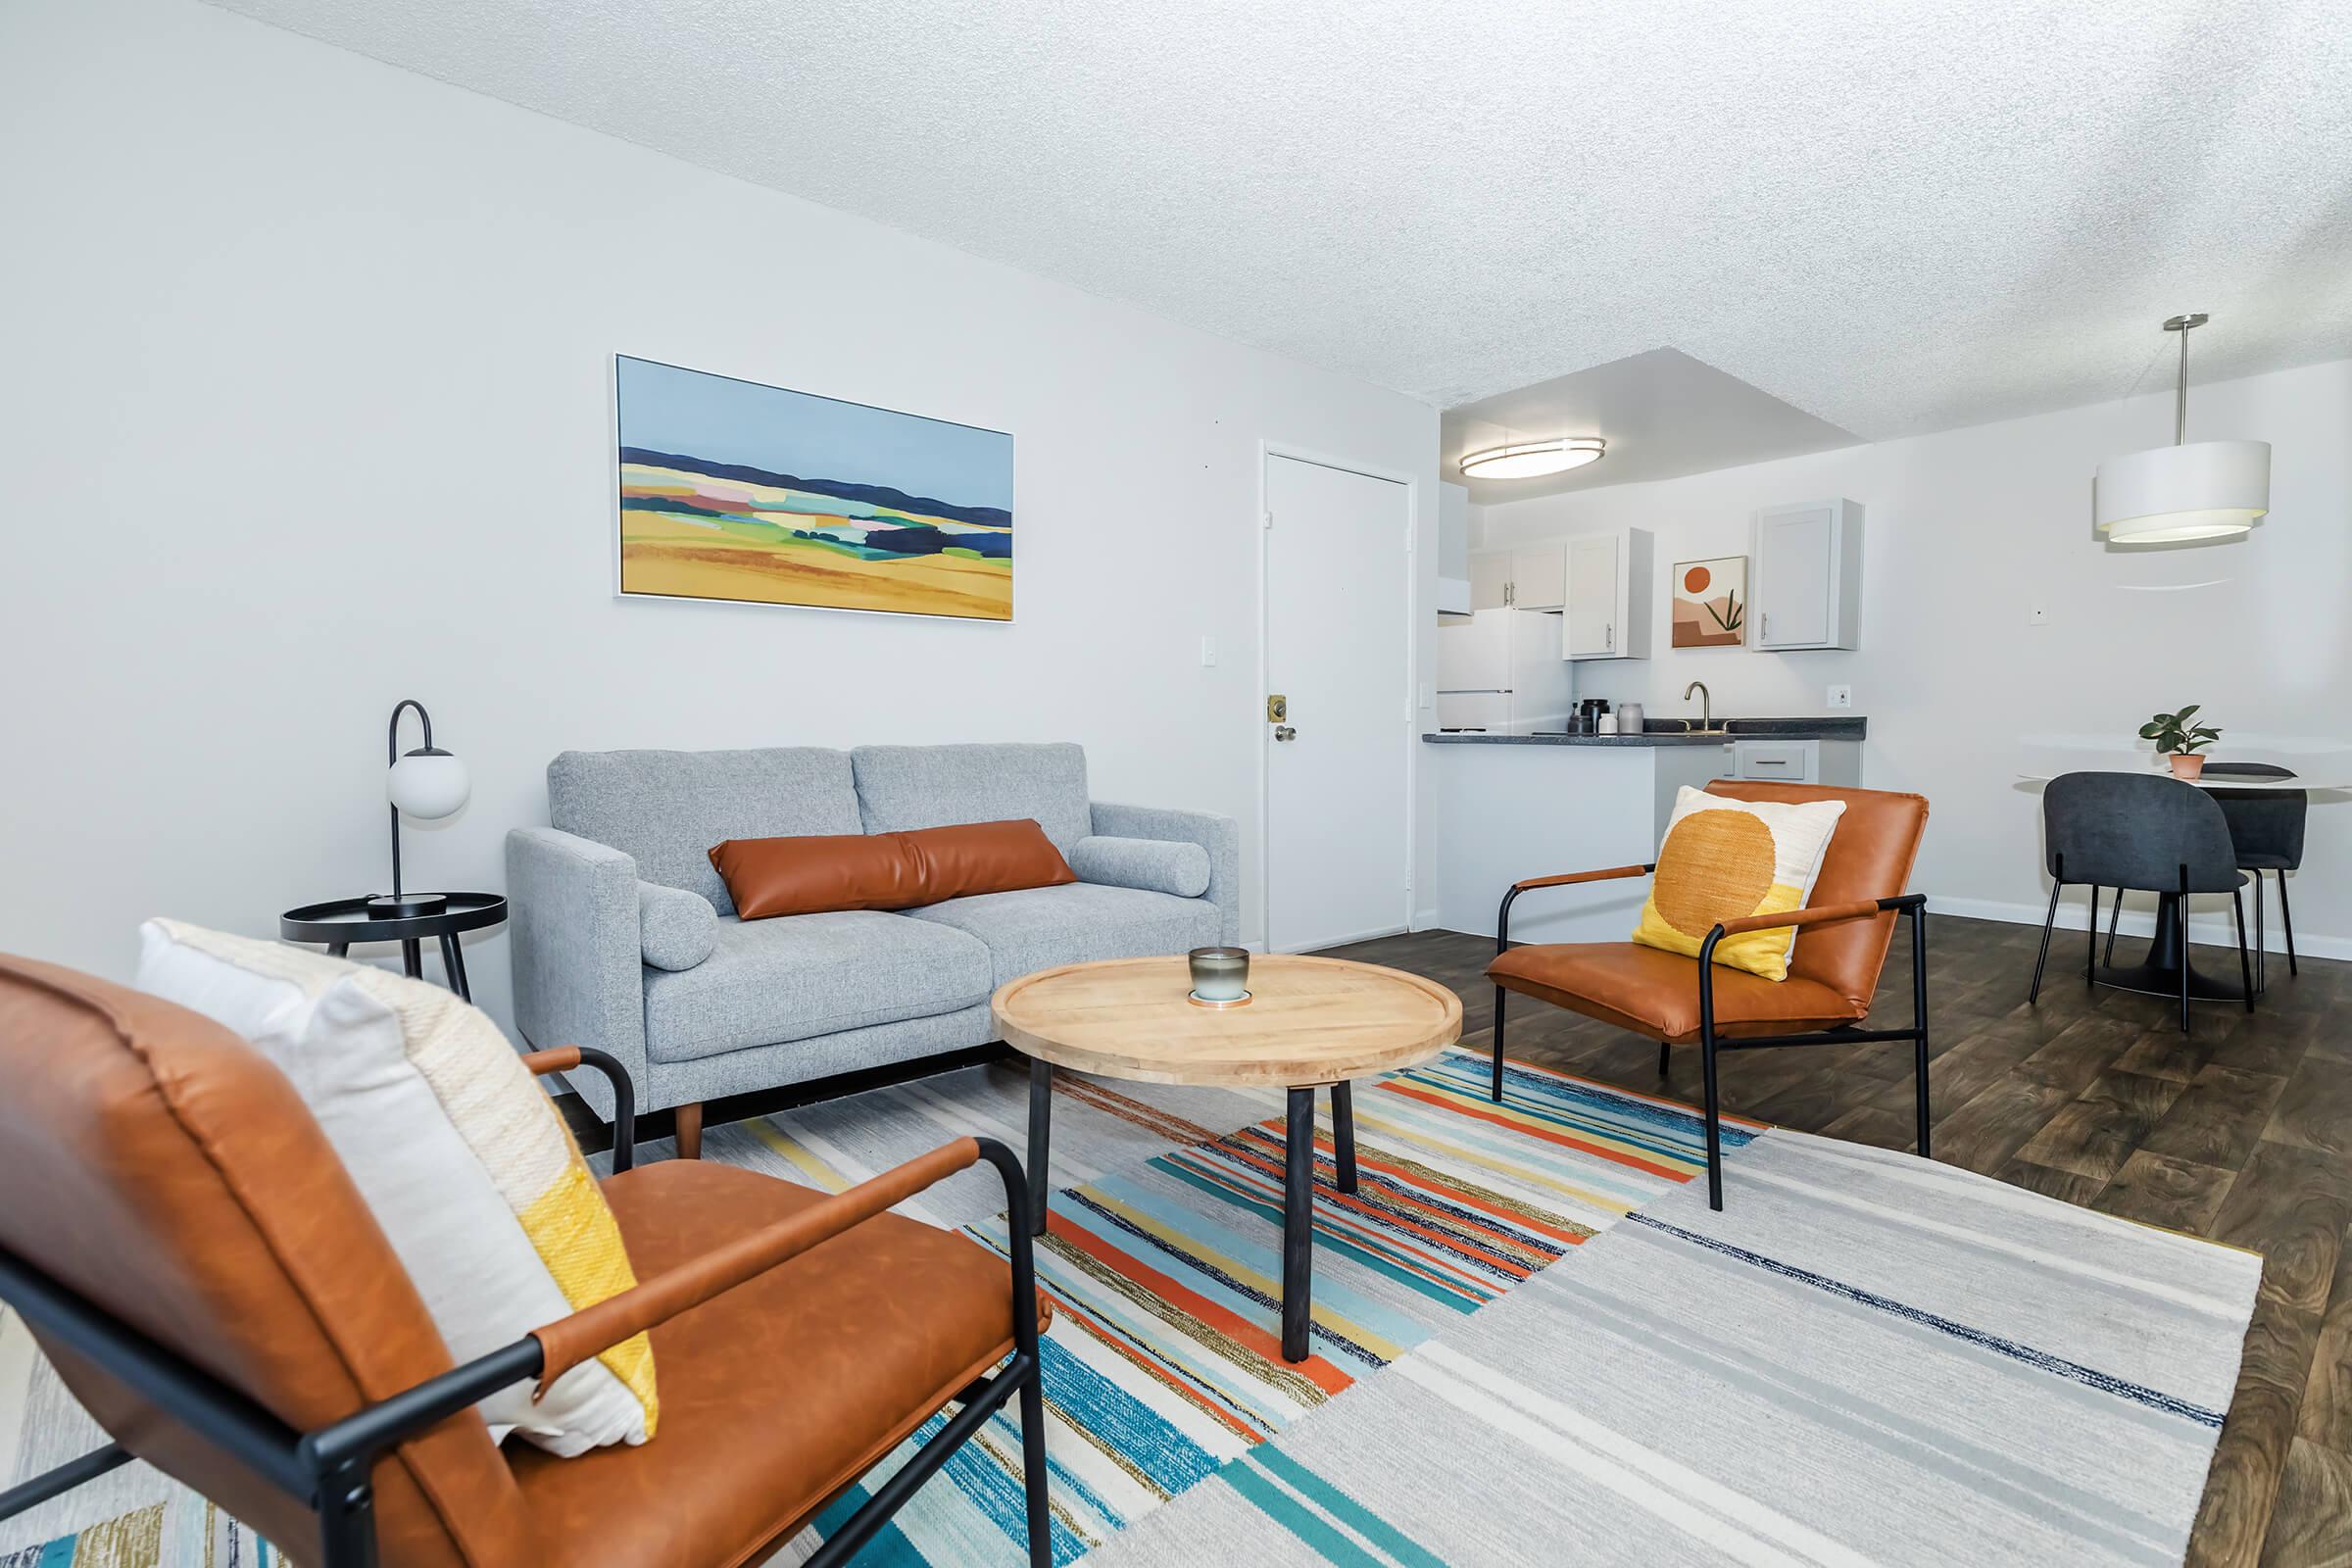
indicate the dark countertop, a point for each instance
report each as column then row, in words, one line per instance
column 1667, row 732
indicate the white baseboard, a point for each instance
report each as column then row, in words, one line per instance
column 2211, row 927
column 1427, row 920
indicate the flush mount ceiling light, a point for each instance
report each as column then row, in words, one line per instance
column 1532, row 460
column 2191, row 489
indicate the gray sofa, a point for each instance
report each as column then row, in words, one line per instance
column 624, row 939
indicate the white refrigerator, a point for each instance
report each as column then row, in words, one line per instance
column 1500, row 671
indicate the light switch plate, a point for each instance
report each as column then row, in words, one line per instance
column 1208, row 653
column 1842, row 697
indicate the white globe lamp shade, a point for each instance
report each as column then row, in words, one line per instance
column 428, row 784
column 2197, row 490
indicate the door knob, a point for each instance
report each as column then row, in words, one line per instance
column 1284, row 732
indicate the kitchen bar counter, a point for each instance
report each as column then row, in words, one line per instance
column 1506, row 807
column 1779, row 729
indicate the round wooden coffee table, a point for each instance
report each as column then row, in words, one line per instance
column 1308, row 1022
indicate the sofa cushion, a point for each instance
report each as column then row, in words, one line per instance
column 676, row 929
column 1158, row 865
column 798, row 975
column 809, row 875
column 1038, row 928
column 903, row 787
column 667, row 808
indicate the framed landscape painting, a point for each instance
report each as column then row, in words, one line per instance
column 737, row 491
column 1710, row 602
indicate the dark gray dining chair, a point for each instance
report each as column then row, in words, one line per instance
column 2149, row 834
column 2267, row 827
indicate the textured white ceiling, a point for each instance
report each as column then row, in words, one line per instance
column 1898, row 216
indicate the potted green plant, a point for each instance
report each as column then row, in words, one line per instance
column 2179, row 741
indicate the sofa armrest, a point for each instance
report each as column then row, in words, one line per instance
column 1220, row 836
column 579, row 961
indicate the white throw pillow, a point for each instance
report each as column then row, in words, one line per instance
column 463, row 1162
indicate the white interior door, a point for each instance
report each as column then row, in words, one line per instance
column 1338, row 644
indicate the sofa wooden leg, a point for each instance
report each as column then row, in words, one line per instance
column 690, row 1131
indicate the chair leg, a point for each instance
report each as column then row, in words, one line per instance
column 2115, row 914
column 1706, row 1060
column 1034, row 1475
column 2246, row 964
column 689, row 1130
column 1919, row 1018
column 2049, row 922
column 2261, row 941
column 2091, row 951
column 1665, row 1056
column 1496, row 1094
column 2286, row 923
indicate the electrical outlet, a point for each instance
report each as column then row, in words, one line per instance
column 2037, row 616
column 1842, row 697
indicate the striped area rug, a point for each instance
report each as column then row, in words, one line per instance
column 1866, row 1358
column 1165, row 1366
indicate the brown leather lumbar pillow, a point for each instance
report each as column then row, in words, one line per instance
column 821, row 873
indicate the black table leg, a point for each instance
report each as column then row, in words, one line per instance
column 1299, row 1224
column 1343, row 1131
column 338, row 949
column 453, row 966
column 1040, row 1117
column 412, row 959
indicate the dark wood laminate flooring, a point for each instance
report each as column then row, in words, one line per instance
column 2240, row 1131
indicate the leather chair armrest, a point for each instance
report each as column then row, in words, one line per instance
column 1609, row 875
column 1818, row 914
column 569, row 1341
column 560, row 1059
column 565, row 1058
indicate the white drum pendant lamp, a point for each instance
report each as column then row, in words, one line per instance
column 2188, row 490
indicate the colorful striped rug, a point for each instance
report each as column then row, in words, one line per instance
column 1165, row 1366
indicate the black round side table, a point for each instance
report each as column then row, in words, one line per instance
column 340, row 922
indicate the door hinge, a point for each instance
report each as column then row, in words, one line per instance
column 1269, row 519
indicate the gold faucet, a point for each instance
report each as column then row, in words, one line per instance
column 1706, row 704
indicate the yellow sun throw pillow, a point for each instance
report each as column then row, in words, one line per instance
column 1724, row 860
column 465, row 1164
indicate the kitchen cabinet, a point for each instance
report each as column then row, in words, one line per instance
column 1539, row 577
column 1805, row 576
column 1531, row 578
column 1791, row 761
column 1491, row 579
column 1608, row 596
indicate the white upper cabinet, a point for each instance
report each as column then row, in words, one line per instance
column 1530, row 578
column 1491, row 579
column 1608, row 594
column 1805, row 576
column 1539, row 577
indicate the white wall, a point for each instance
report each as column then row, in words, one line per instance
column 304, row 409
column 1965, row 532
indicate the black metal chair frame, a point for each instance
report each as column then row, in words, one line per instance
column 329, row 1470
column 1913, row 904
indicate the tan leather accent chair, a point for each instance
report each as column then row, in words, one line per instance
column 195, row 1261
column 1676, row 1001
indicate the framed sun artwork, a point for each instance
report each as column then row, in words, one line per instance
column 1710, row 602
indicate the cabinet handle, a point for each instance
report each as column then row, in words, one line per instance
column 1764, row 627
column 1608, row 636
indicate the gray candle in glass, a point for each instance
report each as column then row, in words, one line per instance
column 1220, row 974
